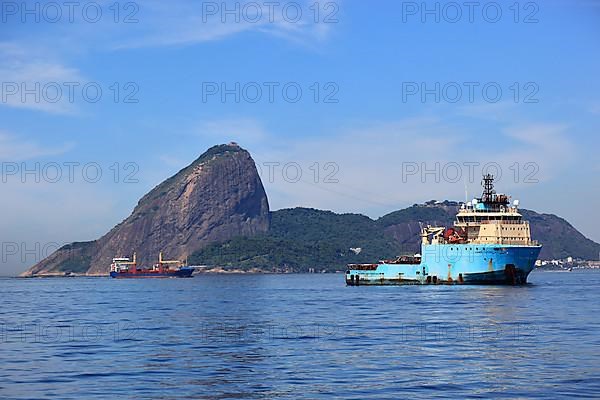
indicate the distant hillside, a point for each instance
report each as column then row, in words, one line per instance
column 303, row 238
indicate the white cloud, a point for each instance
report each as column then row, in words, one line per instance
column 14, row 149
column 34, row 82
column 189, row 22
column 156, row 23
column 488, row 111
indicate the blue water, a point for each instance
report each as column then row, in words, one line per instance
column 298, row 336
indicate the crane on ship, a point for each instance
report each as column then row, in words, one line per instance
column 162, row 262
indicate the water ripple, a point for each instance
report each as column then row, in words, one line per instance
column 303, row 336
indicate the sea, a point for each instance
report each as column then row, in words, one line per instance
column 298, row 337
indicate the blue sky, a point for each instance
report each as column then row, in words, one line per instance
column 365, row 127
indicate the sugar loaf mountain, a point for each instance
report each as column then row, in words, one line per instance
column 215, row 212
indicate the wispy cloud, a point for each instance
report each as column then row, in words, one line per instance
column 34, row 82
column 13, row 148
column 156, row 23
column 189, row 22
column 488, row 111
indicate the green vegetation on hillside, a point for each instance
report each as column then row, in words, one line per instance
column 302, row 238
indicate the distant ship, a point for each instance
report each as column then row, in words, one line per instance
column 490, row 243
column 123, row 267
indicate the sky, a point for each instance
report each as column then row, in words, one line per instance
column 350, row 106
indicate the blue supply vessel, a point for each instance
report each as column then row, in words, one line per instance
column 490, row 243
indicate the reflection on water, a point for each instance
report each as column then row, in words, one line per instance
column 302, row 336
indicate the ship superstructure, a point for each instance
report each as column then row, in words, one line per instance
column 490, row 243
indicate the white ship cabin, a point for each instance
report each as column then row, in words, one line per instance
column 122, row 263
column 491, row 219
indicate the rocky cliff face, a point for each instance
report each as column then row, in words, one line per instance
column 218, row 197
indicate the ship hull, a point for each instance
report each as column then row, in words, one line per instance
column 475, row 264
column 180, row 273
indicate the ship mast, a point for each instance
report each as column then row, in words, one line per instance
column 489, row 197
column 161, row 262
column 488, row 188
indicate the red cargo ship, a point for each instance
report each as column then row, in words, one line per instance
column 123, row 267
